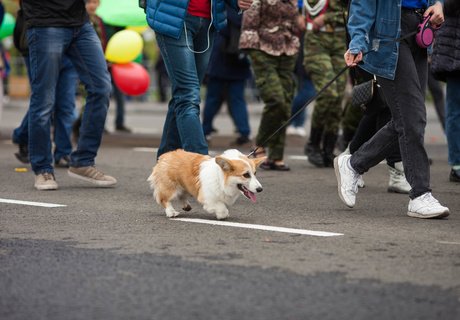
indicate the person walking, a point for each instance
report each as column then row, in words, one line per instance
column 270, row 34
column 184, row 32
column 228, row 71
column 325, row 42
column 445, row 66
column 63, row 117
column 401, row 71
column 105, row 32
column 56, row 29
column 375, row 116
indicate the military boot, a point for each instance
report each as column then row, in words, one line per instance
column 312, row 148
column 328, row 149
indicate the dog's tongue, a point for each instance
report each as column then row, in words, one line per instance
column 250, row 195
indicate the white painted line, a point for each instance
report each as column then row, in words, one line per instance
column 31, row 203
column 448, row 242
column 145, row 149
column 303, row 158
column 261, row 227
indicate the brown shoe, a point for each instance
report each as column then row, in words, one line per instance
column 92, row 175
column 45, row 181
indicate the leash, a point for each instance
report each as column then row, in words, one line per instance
column 410, row 34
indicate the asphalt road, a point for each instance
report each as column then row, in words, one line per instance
column 112, row 253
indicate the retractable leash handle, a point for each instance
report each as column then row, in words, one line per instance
column 425, row 33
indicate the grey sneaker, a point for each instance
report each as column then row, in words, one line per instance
column 347, row 179
column 45, row 181
column 425, row 207
column 92, row 175
column 397, row 182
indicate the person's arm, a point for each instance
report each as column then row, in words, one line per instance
column 249, row 38
column 360, row 22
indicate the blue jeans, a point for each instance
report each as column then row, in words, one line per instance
column 219, row 90
column 64, row 112
column 305, row 92
column 453, row 119
column 186, row 70
column 47, row 47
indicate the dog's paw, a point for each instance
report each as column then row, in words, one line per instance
column 171, row 213
column 222, row 215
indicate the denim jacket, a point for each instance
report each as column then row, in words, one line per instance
column 167, row 16
column 372, row 24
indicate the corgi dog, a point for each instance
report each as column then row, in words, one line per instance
column 214, row 182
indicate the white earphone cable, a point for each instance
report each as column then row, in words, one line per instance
column 209, row 30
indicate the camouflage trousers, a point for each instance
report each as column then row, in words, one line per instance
column 351, row 117
column 274, row 77
column 323, row 60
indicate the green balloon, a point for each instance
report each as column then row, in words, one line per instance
column 139, row 58
column 122, row 13
column 7, row 27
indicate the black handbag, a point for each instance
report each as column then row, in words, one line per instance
column 362, row 94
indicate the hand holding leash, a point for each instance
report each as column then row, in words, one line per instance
column 352, row 60
column 436, row 13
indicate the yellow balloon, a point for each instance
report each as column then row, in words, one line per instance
column 124, row 46
column 138, row 29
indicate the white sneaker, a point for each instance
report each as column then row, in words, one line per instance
column 301, row 132
column 425, row 207
column 291, row 131
column 361, row 183
column 398, row 182
column 347, row 180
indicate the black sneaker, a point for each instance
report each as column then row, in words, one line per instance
column 454, row 175
column 122, row 128
column 64, row 162
column 314, row 155
column 241, row 140
column 23, row 153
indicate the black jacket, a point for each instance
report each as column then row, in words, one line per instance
column 446, row 50
column 54, row 13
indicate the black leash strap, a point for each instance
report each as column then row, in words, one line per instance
column 300, row 110
column 410, row 34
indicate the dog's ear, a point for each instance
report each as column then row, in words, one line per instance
column 224, row 163
column 258, row 161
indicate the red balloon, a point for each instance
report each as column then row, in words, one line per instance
column 131, row 78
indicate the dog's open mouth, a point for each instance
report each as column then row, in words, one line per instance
column 248, row 194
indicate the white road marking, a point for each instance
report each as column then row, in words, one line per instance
column 261, row 227
column 31, row 203
column 145, row 149
column 303, row 158
column 448, row 242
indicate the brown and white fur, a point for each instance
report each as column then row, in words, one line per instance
column 215, row 182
